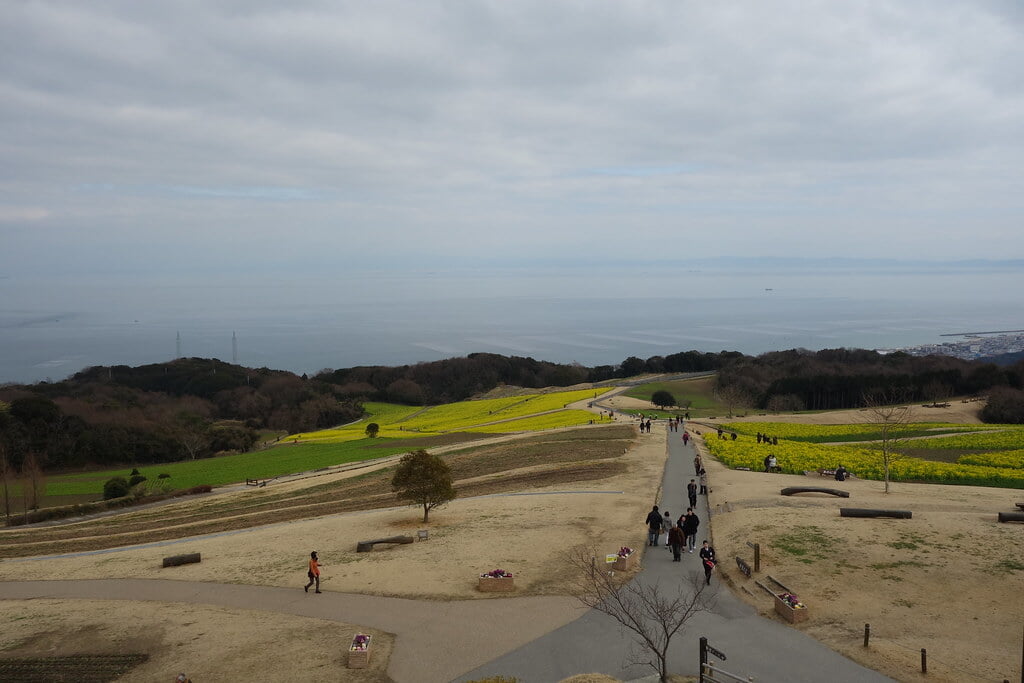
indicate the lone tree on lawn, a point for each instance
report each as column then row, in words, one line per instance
column 663, row 399
column 423, row 479
column 891, row 421
column 653, row 612
column 372, row 429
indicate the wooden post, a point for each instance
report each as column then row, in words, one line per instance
column 924, row 661
column 757, row 557
column 703, row 656
column 867, row 634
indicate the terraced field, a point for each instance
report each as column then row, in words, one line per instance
column 541, row 460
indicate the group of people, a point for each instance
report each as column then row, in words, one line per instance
column 721, row 434
column 767, row 440
column 645, row 426
column 680, row 535
column 771, row 463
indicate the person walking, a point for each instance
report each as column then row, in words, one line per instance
column 653, row 526
column 686, row 438
column 691, row 491
column 707, row 557
column 703, row 482
column 666, row 525
column 314, row 572
column 690, row 523
column 675, row 541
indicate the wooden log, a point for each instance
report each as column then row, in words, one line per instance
column 791, row 490
column 367, row 546
column 1020, row 505
column 175, row 560
column 867, row 512
column 1011, row 516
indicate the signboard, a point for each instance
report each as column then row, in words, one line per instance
column 717, row 653
column 610, row 558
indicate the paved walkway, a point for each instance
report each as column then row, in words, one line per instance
column 535, row 639
column 765, row 649
column 435, row 641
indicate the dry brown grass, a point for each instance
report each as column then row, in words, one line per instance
column 569, row 456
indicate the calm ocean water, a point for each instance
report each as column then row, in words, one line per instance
column 51, row 329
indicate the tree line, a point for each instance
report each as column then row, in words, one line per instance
column 834, row 379
column 196, row 407
column 184, row 409
column 457, row 379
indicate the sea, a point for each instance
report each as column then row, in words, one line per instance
column 52, row 327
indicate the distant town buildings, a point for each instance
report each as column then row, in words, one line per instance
column 970, row 347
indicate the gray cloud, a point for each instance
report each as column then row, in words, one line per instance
column 460, row 130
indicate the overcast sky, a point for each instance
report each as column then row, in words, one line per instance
column 189, row 136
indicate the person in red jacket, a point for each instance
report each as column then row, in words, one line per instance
column 314, row 572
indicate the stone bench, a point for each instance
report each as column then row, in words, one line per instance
column 367, row 546
column 792, row 490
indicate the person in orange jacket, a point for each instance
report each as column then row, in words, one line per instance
column 314, row 572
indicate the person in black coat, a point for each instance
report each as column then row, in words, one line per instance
column 690, row 522
column 653, row 526
column 707, row 557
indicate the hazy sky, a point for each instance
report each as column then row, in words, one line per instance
column 189, row 136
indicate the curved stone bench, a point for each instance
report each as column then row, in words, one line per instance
column 867, row 512
column 178, row 560
column 790, row 490
column 367, row 546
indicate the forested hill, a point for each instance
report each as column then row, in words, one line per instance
column 847, row 378
column 457, row 379
column 195, row 407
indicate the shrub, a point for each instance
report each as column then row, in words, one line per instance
column 135, row 480
column 116, row 487
column 163, row 475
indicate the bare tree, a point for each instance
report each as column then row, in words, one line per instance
column 5, row 475
column 654, row 616
column 891, row 419
column 733, row 397
column 33, row 482
column 937, row 392
column 192, row 432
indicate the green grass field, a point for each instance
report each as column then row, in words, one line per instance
column 700, row 392
column 228, row 469
column 314, row 450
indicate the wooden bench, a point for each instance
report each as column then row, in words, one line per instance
column 367, row 546
column 178, row 560
column 1020, row 505
column 791, row 490
column 1011, row 516
column 867, row 512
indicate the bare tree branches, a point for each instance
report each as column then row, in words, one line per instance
column 891, row 420
column 654, row 613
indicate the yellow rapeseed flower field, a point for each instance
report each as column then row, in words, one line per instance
column 512, row 414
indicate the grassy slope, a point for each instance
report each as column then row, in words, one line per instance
column 699, row 391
